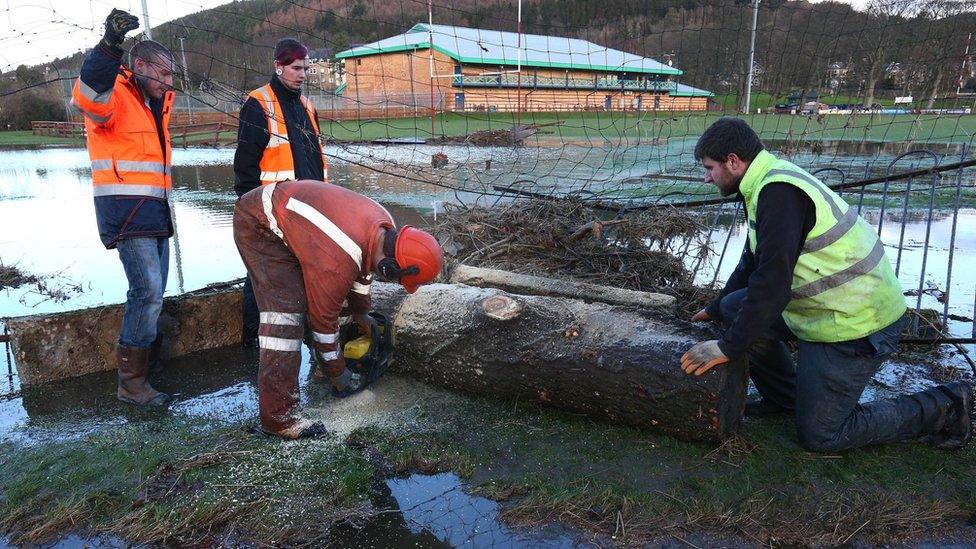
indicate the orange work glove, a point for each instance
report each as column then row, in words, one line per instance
column 703, row 357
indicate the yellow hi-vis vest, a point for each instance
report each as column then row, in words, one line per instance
column 843, row 285
column 277, row 162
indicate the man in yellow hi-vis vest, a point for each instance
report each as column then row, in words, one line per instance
column 815, row 272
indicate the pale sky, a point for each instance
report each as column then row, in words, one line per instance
column 35, row 31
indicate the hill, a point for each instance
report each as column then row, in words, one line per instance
column 893, row 48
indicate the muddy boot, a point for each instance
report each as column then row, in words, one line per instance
column 156, row 356
column 958, row 429
column 133, row 365
column 302, row 428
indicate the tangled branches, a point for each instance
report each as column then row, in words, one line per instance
column 655, row 250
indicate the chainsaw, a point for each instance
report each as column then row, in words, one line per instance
column 367, row 356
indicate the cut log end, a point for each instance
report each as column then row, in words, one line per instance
column 501, row 307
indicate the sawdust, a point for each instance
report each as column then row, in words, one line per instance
column 393, row 402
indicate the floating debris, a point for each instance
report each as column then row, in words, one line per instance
column 438, row 160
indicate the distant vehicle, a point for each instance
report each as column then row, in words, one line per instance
column 785, row 108
column 813, row 107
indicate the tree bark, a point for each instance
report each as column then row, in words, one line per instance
column 595, row 359
column 869, row 91
column 537, row 285
column 63, row 345
column 935, row 87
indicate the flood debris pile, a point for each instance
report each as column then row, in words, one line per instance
column 491, row 138
column 55, row 287
column 11, row 277
column 653, row 251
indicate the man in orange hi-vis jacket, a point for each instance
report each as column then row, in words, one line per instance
column 277, row 139
column 311, row 251
column 126, row 117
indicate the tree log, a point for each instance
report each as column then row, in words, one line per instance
column 537, row 285
column 596, row 359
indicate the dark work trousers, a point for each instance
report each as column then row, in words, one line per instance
column 249, row 306
column 279, row 289
column 825, row 385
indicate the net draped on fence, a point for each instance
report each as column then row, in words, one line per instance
column 594, row 102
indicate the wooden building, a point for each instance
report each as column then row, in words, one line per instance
column 465, row 69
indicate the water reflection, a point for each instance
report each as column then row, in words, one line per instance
column 48, row 223
column 436, row 511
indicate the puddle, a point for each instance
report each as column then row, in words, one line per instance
column 436, row 511
column 217, row 385
column 75, row 541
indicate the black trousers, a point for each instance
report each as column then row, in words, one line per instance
column 250, row 315
column 825, row 383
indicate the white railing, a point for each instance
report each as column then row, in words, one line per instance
column 533, row 81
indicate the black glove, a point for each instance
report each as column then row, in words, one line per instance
column 116, row 25
column 347, row 383
column 366, row 324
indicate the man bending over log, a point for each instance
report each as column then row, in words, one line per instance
column 311, row 251
column 815, row 272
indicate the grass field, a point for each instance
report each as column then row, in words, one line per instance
column 160, row 479
column 600, row 126
column 612, row 127
column 27, row 137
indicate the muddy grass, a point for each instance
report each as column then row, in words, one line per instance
column 157, row 479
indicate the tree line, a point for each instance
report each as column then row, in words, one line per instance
column 894, row 47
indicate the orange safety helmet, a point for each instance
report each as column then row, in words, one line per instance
column 417, row 248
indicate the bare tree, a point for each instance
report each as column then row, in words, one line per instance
column 885, row 16
column 941, row 44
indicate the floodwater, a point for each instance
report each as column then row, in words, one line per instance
column 436, row 511
column 48, row 229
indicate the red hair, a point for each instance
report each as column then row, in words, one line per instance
column 288, row 50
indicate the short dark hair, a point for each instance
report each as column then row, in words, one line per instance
column 726, row 136
column 148, row 51
column 288, row 50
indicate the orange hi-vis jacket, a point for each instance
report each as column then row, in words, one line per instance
column 277, row 162
column 130, row 163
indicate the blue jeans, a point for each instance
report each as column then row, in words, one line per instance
column 146, row 264
column 824, row 387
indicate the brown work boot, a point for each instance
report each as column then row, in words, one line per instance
column 133, row 365
column 302, row 428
